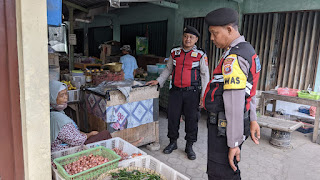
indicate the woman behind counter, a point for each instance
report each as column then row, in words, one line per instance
column 64, row 133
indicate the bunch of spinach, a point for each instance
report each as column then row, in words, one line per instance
column 134, row 175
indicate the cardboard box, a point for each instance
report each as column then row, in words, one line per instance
column 53, row 59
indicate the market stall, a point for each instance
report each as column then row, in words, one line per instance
column 126, row 110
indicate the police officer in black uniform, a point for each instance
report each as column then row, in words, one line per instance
column 190, row 75
column 230, row 96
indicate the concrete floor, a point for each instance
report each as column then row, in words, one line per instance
column 258, row 162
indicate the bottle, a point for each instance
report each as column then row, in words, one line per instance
column 88, row 77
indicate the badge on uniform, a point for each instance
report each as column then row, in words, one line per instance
column 194, row 54
column 206, row 60
column 177, row 52
column 258, row 65
column 227, row 66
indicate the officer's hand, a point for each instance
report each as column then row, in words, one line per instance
column 153, row 82
column 255, row 131
column 201, row 103
column 234, row 152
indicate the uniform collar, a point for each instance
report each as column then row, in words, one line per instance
column 237, row 41
column 193, row 48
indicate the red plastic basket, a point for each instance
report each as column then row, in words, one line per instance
column 288, row 92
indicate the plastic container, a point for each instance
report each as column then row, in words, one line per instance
column 65, row 152
column 288, row 92
column 307, row 95
column 120, row 144
column 91, row 173
column 152, row 69
column 73, row 95
column 77, row 73
column 160, row 70
column 152, row 163
column 160, row 65
column 54, row 73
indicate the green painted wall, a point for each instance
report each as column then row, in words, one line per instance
column 258, row 6
column 191, row 8
column 147, row 12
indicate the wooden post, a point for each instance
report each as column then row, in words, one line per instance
column 249, row 28
column 71, row 48
column 294, row 58
column 312, row 47
column 254, row 30
column 283, row 49
column 300, row 49
column 307, row 43
column 262, row 45
column 265, row 54
column 316, row 125
column 288, row 51
column 271, row 51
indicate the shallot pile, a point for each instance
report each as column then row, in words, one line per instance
column 84, row 163
column 124, row 155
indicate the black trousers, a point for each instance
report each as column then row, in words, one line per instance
column 218, row 167
column 186, row 102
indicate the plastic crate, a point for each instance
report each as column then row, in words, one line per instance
column 65, row 152
column 119, row 143
column 307, row 95
column 74, row 95
column 288, row 92
column 152, row 163
column 92, row 172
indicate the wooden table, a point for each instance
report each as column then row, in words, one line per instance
column 274, row 96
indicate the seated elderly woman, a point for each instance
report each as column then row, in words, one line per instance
column 64, row 133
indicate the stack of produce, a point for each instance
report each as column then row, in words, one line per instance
column 69, row 84
column 124, row 155
column 84, row 163
column 107, row 76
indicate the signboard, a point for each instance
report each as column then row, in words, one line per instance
column 72, row 39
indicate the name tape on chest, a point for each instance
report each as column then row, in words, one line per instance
column 194, row 54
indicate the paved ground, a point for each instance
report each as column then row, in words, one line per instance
column 259, row 162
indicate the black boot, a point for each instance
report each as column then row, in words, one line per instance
column 190, row 153
column 172, row 146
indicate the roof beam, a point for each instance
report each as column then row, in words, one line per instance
column 166, row 4
column 75, row 6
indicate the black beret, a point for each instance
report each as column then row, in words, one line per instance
column 221, row 17
column 191, row 30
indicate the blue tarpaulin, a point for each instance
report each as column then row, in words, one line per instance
column 54, row 12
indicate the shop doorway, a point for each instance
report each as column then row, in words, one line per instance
column 97, row 36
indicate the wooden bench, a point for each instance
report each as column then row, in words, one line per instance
column 281, row 129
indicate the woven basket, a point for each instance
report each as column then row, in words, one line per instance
column 107, row 176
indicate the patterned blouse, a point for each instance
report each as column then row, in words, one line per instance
column 68, row 136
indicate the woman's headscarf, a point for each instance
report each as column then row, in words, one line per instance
column 57, row 116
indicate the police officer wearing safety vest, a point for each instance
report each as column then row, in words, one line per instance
column 230, row 96
column 190, row 75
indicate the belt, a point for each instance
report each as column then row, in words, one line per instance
column 190, row 88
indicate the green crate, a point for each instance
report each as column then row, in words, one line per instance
column 91, row 173
column 307, row 95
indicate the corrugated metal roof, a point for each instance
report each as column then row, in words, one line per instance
column 94, row 3
column 89, row 3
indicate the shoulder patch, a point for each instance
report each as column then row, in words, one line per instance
column 228, row 65
column 206, row 60
column 175, row 49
